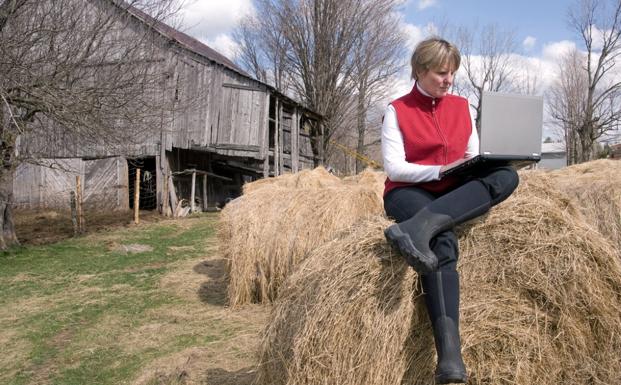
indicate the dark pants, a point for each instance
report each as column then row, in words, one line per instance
column 402, row 203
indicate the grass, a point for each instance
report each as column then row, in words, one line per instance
column 98, row 310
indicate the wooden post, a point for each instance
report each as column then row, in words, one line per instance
column 205, row 192
column 277, row 138
column 295, row 139
column 266, row 137
column 137, row 198
column 173, row 196
column 74, row 213
column 281, row 140
column 79, row 208
column 193, row 192
column 165, row 198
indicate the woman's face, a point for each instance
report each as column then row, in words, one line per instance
column 438, row 81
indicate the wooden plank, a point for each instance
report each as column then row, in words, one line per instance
column 264, row 130
column 242, row 87
column 277, row 138
column 280, row 139
column 295, row 129
column 206, row 97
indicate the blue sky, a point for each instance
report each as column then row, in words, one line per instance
column 542, row 32
column 544, row 20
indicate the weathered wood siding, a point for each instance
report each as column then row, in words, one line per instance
column 49, row 184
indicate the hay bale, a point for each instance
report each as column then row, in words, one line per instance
column 315, row 178
column 266, row 233
column 541, row 297
column 369, row 177
column 595, row 186
column 344, row 317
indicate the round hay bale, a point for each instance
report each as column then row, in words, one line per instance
column 344, row 316
column 265, row 234
column 541, row 293
column 595, row 188
column 315, row 178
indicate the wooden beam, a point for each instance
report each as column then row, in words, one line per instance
column 193, row 192
column 205, row 202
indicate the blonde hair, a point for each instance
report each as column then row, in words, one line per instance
column 434, row 53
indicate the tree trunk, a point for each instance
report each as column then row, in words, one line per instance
column 361, row 125
column 7, row 228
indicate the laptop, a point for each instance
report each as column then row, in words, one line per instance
column 511, row 126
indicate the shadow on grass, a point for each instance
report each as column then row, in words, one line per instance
column 220, row 376
column 213, row 291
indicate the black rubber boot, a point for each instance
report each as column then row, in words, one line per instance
column 442, row 300
column 413, row 244
column 411, row 237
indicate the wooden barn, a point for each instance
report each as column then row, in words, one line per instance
column 239, row 130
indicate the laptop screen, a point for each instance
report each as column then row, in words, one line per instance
column 511, row 124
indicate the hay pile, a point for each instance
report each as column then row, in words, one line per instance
column 315, row 178
column 269, row 230
column 596, row 188
column 541, row 293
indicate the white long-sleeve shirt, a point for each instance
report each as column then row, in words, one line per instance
column 396, row 166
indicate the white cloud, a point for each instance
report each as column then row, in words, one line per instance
column 416, row 34
column 207, row 20
column 555, row 51
column 529, row 43
column 224, row 44
column 423, row 4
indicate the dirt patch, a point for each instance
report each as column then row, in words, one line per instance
column 14, row 351
column 189, row 367
column 134, row 248
column 40, row 227
column 231, row 359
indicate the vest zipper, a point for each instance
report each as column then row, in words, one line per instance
column 435, row 121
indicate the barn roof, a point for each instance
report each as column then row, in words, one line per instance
column 183, row 39
column 202, row 49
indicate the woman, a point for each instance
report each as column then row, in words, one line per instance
column 422, row 132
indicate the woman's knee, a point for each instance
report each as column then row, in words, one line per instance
column 403, row 203
column 501, row 182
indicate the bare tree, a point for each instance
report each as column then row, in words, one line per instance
column 321, row 41
column 378, row 57
column 73, row 69
column 567, row 99
column 587, row 99
column 263, row 46
column 487, row 57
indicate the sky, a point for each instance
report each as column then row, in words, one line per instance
column 541, row 28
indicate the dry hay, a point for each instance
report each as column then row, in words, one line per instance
column 596, row 188
column 318, row 177
column 369, row 177
column 541, row 293
column 266, row 233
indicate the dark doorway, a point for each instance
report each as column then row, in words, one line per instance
column 148, row 182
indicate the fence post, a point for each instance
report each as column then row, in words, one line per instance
column 137, row 197
column 74, row 213
column 79, row 208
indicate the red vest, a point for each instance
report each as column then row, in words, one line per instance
column 435, row 132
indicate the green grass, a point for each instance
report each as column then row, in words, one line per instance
column 79, row 311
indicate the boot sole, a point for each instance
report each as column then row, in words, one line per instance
column 403, row 243
column 451, row 378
